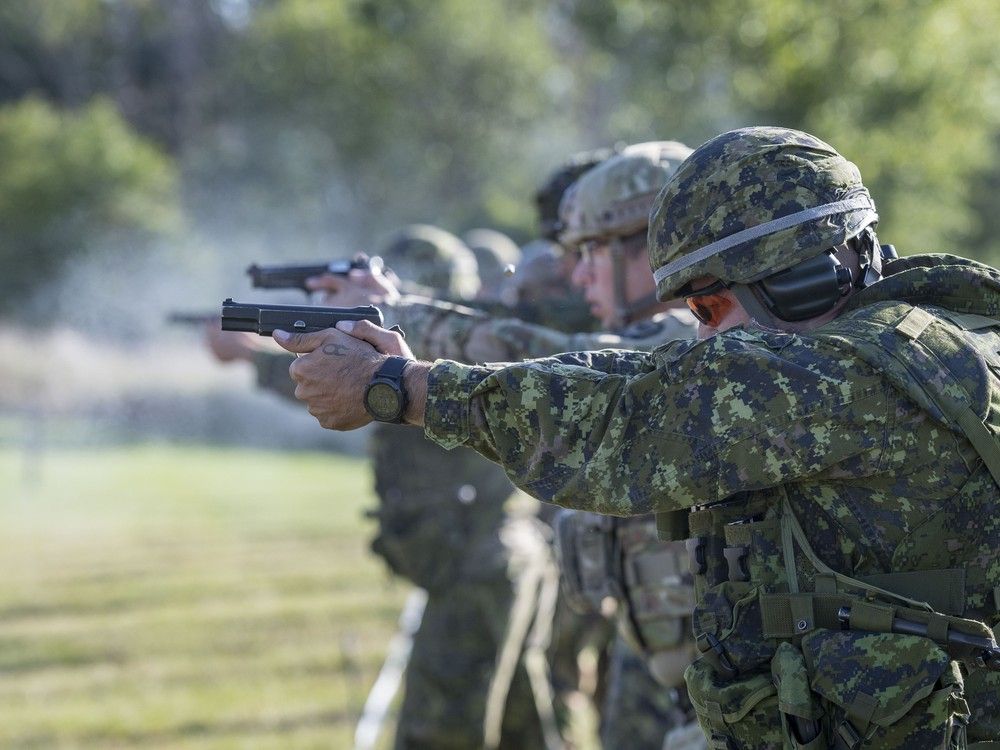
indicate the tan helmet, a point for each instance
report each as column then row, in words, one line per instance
column 433, row 258
column 612, row 202
column 614, row 198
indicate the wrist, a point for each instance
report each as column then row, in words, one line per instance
column 415, row 383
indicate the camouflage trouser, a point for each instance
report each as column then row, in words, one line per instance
column 638, row 711
column 983, row 693
column 450, row 668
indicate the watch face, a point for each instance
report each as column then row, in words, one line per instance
column 383, row 401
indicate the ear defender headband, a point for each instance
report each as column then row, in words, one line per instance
column 806, row 290
column 814, row 286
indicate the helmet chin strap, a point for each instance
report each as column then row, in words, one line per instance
column 627, row 311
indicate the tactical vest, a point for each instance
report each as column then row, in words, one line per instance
column 624, row 559
column 794, row 654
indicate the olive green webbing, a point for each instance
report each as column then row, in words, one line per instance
column 787, row 615
column 822, row 568
column 788, row 522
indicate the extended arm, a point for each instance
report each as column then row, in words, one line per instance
column 688, row 430
column 627, row 433
column 442, row 330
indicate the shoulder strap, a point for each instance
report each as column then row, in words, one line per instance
column 945, row 394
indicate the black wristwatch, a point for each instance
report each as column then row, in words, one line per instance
column 385, row 397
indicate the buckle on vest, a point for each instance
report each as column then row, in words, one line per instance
column 712, row 651
column 847, row 737
column 737, row 557
column 696, row 555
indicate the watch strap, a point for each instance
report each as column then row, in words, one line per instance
column 392, row 368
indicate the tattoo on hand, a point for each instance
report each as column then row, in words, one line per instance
column 335, row 350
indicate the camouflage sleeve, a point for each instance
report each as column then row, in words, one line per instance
column 272, row 373
column 691, row 423
column 440, row 330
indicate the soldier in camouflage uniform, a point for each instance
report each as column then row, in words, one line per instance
column 830, row 447
column 440, row 522
column 442, row 525
column 605, row 214
column 497, row 255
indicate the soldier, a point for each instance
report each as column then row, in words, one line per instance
column 442, row 525
column 604, row 215
column 830, row 447
column 497, row 256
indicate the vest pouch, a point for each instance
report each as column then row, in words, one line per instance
column 881, row 690
column 657, row 586
column 801, row 715
column 583, row 546
column 730, row 685
column 742, row 713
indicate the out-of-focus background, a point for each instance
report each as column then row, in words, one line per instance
column 184, row 558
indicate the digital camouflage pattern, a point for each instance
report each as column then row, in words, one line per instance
column 440, row 330
column 743, row 179
column 615, row 197
column 635, row 718
column 766, row 428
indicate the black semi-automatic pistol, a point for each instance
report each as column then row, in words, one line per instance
column 266, row 319
column 294, row 276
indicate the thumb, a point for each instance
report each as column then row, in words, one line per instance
column 299, row 343
column 385, row 342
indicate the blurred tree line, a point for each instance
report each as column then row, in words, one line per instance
column 297, row 127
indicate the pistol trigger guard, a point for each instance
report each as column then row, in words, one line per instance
column 397, row 329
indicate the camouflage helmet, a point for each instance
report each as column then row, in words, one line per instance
column 431, row 257
column 750, row 203
column 550, row 194
column 614, row 198
column 495, row 252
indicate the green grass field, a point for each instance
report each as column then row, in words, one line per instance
column 158, row 597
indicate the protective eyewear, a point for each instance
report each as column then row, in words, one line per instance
column 709, row 305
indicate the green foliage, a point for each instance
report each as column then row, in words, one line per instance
column 907, row 90
column 298, row 123
column 417, row 107
column 70, row 179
